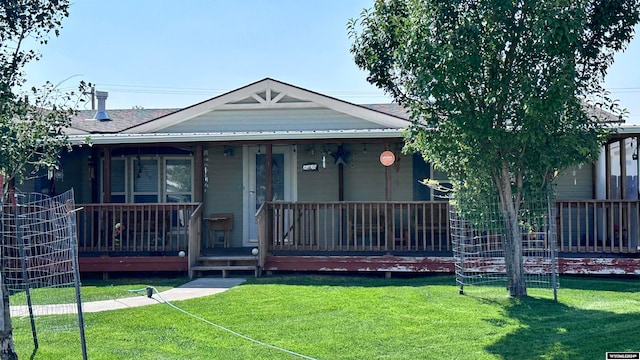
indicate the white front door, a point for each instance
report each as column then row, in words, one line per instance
column 283, row 183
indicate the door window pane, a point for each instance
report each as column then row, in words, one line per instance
column 277, row 178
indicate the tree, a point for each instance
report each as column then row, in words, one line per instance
column 31, row 125
column 503, row 94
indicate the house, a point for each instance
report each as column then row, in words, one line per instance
column 312, row 182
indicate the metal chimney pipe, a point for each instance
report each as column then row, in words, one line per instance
column 101, row 115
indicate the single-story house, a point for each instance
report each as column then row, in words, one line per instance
column 312, row 182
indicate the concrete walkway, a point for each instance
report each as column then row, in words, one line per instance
column 193, row 289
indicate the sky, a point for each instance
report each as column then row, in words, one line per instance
column 169, row 54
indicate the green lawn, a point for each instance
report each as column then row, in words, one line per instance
column 95, row 290
column 335, row 317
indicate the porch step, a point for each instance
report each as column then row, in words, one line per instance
column 225, row 268
column 226, row 258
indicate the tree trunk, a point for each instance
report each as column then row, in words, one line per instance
column 7, row 349
column 513, row 238
column 513, row 255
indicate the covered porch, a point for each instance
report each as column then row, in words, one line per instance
column 313, row 182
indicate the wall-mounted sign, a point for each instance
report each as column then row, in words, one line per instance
column 387, row 158
column 310, row 167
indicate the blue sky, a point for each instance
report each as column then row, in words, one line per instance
column 158, row 53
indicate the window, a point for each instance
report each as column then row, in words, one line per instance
column 118, row 180
column 178, row 180
column 146, row 184
column 151, row 179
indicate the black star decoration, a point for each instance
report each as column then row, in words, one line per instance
column 340, row 156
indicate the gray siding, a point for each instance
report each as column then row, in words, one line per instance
column 224, row 191
column 271, row 120
column 364, row 176
column 574, row 187
column 321, row 185
column 76, row 175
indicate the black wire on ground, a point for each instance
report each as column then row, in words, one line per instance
column 150, row 289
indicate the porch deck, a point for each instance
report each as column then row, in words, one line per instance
column 594, row 236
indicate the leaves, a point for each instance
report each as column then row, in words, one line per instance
column 503, row 94
column 32, row 122
column 496, row 81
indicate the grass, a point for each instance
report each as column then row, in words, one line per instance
column 336, row 317
column 95, row 290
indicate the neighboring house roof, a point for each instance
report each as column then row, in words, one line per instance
column 391, row 109
column 120, row 120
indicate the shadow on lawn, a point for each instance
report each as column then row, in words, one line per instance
column 604, row 283
column 551, row 330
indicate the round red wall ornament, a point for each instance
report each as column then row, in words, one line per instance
column 387, row 158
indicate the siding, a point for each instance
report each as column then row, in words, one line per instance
column 271, row 120
column 321, row 185
column 76, row 175
column 578, row 186
column 224, row 192
column 364, row 178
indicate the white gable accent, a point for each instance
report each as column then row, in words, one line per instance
column 273, row 119
column 269, row 94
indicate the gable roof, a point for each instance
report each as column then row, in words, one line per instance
column 269, row 94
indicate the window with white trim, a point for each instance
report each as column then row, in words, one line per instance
column 178, row 180
column 119, row 180
column 146, row 180
column 150, row 179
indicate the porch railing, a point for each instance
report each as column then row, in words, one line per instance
column 583, row 226
column 355, row 226
column 195, row 236
column 600, row 226
column 135, row 228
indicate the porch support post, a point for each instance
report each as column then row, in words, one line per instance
column 637, row 184
column 268, row 179
column 340, row 182
column 623, row 170
column 607, row 180
column 198, row 181
column 92, row 168
column 387, row 177
column 106, row 176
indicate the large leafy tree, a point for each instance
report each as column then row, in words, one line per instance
column 32, row 122
column 503, row 94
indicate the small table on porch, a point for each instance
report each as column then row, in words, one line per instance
column 219, row 222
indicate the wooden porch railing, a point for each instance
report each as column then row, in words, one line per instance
column 583, row 226
column 354, row 226
column 600, row 226
column 262, row 216
column 195, row 236
column 136, row 228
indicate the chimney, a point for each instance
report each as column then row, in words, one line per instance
column 101, row 115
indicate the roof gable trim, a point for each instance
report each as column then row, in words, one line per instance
column 269, row 94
